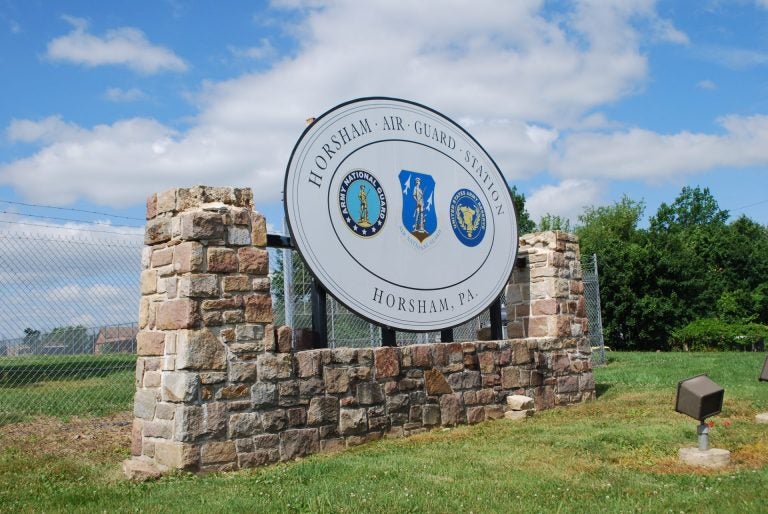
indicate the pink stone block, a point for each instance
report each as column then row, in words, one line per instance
column 284, row 336
column 222, row 260
column 421, row 355
column 258, row 229
column 188, row 257
column 537, row 326
column 151, row 206
column 176, row 314
column 253, row 260
column 386, row 362
column 150, row 343
column 544, row 307
column 258, row 308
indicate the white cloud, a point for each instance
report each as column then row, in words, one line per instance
column 706, row 84
column 116, row 94
column 736, row 58
column 515, row 74
column 263, row 51
column 566, row 199
column 125, row 46
column 13, row 25
column 645, row 155
column 48, row 130
column 665, row 31
column 67, row 274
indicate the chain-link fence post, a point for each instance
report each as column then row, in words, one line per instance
column 594, row 316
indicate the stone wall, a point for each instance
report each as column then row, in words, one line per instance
column 218, row 388
column 545, row 298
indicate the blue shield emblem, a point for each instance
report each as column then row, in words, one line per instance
column 419, row 217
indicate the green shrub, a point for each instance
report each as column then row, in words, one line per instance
column 712, row 334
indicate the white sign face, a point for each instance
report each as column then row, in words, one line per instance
column 401, row 214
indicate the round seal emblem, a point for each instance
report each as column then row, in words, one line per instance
column 467, row 217
column 362, row 203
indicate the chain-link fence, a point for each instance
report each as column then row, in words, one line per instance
column 594, row 316
column 68, row 332
column 292, row 280
column 68, row 323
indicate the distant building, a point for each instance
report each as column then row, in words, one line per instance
column 116, row 339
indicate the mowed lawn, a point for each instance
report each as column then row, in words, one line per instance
column 65, row 385
column 615, row 454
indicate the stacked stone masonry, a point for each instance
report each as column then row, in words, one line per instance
column 218, row 388
column 546, row 296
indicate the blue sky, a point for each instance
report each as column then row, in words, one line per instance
column 579, row 103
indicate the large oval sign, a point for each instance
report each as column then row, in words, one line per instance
column 401, row 214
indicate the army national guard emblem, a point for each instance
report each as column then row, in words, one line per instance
column 467, row 217
column 419, row 213
column 362, row 203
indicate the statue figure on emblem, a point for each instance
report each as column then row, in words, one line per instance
column 418, row 213
column 363, row 197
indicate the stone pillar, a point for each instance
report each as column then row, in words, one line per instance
column 546, row 306
column 546, row 298
column 205, row 317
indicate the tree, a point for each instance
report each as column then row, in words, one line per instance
column 617, row 223
column 690, row 264
column 32, row 339
column 690, row 237
column 693, row 207
column 69, row 339
column 736, row 306
column 525, row 224
column 552, row 222
column 625, row 262
column 744, row 257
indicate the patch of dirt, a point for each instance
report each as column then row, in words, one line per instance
column 104, row 439
column 751, row 456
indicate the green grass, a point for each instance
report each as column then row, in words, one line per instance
column 21, row 371
column 736, row 372
column 616, row 454
column 71, row 385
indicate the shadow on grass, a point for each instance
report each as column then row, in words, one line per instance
column 601, row 389
column 21, row 374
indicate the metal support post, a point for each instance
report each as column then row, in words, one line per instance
column 288, row 289
column 703, row 432
column 495, row 312
column 388, row 337
column 319, row 321
column 446, row 335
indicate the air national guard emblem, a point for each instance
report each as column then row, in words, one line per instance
column 419, row 217
column 467, row 217
column 363, row 203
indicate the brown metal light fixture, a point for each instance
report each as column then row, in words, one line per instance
column 700, row 398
